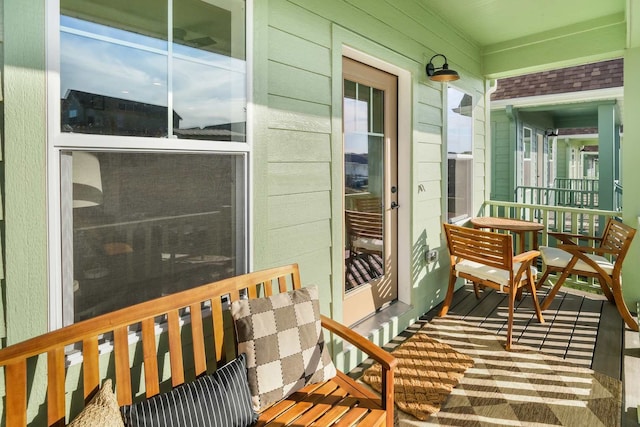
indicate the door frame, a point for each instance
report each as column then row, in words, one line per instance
column 383, row 61
column 369, row 297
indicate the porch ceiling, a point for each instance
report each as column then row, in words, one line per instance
column 523, row 36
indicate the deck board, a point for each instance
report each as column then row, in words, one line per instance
column 580, row 327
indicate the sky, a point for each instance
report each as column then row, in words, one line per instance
column 208, row 88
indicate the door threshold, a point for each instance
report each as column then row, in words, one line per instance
column 376, row 321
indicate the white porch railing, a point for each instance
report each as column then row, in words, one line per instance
column 554, row 218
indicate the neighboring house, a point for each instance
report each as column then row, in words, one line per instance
column 252, row 173
column 545, row 126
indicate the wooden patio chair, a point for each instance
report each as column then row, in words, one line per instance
column 486, row 259
column 603, row 262
column 364, row 232
column 369, row 204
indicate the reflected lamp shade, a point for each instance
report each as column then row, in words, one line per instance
column 87, row 181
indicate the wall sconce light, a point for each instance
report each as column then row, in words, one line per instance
column 441, row 74
column 551, row 132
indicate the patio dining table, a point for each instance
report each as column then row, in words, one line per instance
column 517, row 226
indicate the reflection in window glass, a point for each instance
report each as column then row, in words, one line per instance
column 459, row 155
column 115, row 61
column 151, row 224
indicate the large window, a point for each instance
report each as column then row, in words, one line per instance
column 151, row 153
column 459, row 155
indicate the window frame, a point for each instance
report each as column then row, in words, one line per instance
column 59, row 142
column 471, row 157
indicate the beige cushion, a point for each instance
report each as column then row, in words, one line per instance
column 559, row 258
column 485, row 272
column 283, row 340
column 373, row 245
column 101, row 411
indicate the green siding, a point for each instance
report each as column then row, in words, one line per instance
column 503, row 157
column 298, row 141
column 25, row 170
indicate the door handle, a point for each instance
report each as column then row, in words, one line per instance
column 394, row 205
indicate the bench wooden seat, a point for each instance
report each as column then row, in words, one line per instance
column 192, row 351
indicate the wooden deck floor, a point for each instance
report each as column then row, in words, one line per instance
column 580, row 327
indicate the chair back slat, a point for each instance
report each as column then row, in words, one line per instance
column 175, row 348
column 364, row 224
column 485, row 247
column 123, row 376
column 218, row 328
column 197, row 336
column 90, row 367
column 617, row 237
column 55, row 387
column 150, row 357
column 108, row 338
column 15, row 377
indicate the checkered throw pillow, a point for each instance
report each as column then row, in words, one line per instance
column 282, row 338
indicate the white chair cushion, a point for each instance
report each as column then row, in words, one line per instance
column 374, row 245
column 485, row 272
column 559, row 258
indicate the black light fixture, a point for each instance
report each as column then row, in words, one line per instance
column 551, row 132
column 441, row 74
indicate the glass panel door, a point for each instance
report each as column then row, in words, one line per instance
column 370, row 189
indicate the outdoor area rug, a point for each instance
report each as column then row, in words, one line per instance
column 427, row 370
column 521, row 387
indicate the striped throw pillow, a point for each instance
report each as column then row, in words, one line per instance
column 219, row 399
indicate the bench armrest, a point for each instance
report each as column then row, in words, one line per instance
column 386, row 359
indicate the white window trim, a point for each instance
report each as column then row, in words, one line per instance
column 58, row 141
column 460, row 219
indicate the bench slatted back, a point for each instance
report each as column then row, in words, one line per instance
column 144, row 316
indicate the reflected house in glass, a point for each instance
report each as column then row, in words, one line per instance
column 93, row 113
column 356, row 172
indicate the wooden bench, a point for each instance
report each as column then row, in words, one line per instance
column 339, row 401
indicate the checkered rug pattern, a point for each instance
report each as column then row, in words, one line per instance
column 519, row 388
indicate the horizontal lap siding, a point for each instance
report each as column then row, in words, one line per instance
column 298, row 142
column 298, row 128
column 502, row 158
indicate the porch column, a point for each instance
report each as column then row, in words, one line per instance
column 606, row 157
column 631, row 172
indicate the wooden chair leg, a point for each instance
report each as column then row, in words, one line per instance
column 512, row 303
column 622, row 306
column 476, row 289
column 606, row 289
column 534, row 296
column 565, row 273
column 544, row 277
column 447, row 301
